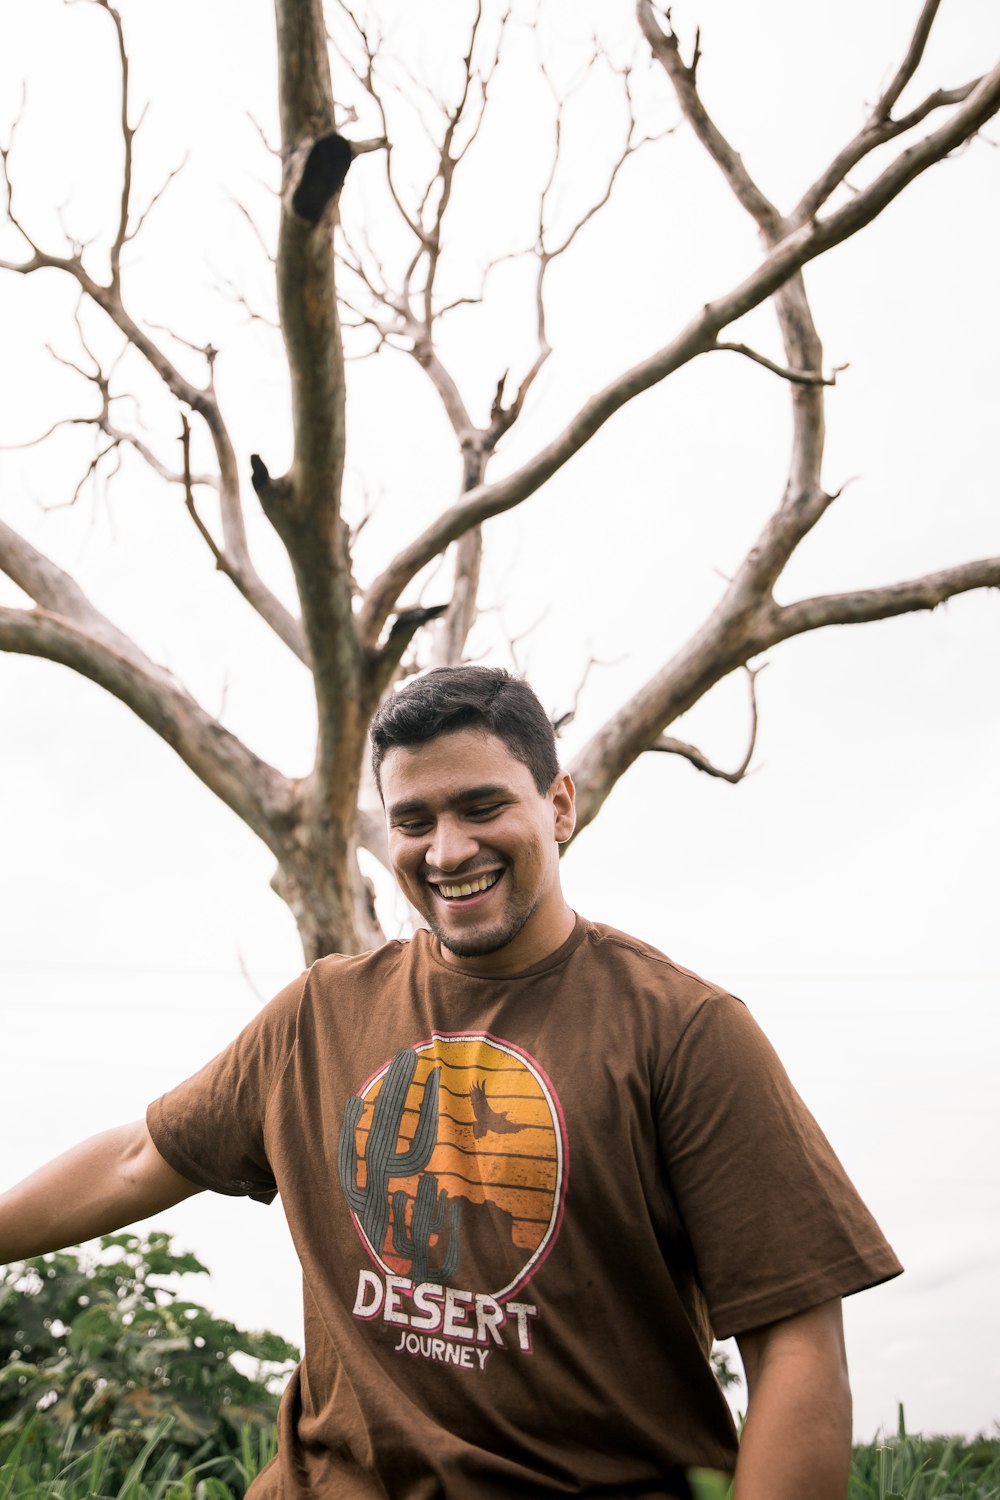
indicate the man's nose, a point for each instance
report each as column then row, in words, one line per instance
column 451, row 845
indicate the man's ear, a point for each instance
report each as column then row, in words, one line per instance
column 563, row 795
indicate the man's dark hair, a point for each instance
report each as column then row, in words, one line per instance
column 485, row 698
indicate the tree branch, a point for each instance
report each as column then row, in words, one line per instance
column 743, row 625
column 792, row 252
column 65, row 627
column 128, row 136
column 202, row 400
column 880, row 127
column 665, row 744
column 863, row 605
column 101, row 380
column 796, row 377
column 911, row 61
column 666, row 49
column 803, row 349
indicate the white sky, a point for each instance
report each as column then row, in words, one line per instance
column 847, row 890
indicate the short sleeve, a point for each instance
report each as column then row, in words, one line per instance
column 775, row 1224
column 211, row 1127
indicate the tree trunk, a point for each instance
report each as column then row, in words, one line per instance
column 331, row 900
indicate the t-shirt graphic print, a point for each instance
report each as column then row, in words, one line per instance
column 453, row 1162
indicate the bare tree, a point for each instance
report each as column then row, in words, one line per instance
column 387, row 286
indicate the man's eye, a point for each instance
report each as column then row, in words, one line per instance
column 416, row 826
column 485, row 810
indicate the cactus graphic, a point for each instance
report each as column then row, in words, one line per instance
column 428, row 1218
column 382, row 1160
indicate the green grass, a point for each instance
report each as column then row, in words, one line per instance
column 35, row 1468
column 926, row 1468
column 32, row 1467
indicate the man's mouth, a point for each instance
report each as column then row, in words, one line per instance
column 465, row 889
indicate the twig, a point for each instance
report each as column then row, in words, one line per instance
column 665, row 744
column 797, row 377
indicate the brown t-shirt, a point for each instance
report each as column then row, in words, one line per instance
column 523, row 1206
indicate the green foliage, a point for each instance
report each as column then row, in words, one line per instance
column 934, row 1468
column 905, row 1468
column 100, row 1362
column 114, row 1388
column 36, row 1469
column 926, row 1468
column 709, row 1484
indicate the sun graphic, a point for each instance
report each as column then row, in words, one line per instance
column 454, row 1162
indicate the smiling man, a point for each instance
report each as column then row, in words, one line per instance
column 530, row 1166
column 474, row 841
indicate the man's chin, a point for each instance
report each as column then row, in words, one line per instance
column 474, row 944
column 477, row 943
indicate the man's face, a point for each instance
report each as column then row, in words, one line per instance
column 474, row 847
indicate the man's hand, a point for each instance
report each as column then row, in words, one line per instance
column 797, row 1438
column 96, row 1188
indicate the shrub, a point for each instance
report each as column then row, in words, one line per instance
column 101, row 1357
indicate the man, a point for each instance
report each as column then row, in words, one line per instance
column 529, row 1165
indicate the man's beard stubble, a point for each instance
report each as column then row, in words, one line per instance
column 478, row 945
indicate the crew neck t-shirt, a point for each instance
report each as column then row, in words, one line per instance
column 523, row 1206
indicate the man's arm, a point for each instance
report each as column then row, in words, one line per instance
column 797, row 1436
column 96, row 1188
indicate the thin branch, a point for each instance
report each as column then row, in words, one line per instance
column 504, row 417
column 804, row 499
column 365, row 73
column 880, row 127
column 876, row 132
column 208, row 352
column 796, row 377
column 268, row 147
column 161, row 190
column 232, row 292
column 666, row 49
column 89, row 473
column 445, row 174
column 257, row 232
column 49, row 431
column 221, row 561
column 103, row 422
column 128, row 137
column 911, row 61
column 939, row 99
column 563, row 720
column 665, row 744
column 366, row 267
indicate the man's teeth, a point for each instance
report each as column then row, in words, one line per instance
column 469, row 887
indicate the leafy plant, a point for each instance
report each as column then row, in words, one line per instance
column 101, row 1360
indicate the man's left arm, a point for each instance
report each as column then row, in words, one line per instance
column 797, row 1437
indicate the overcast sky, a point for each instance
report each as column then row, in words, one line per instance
column 846, row 890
